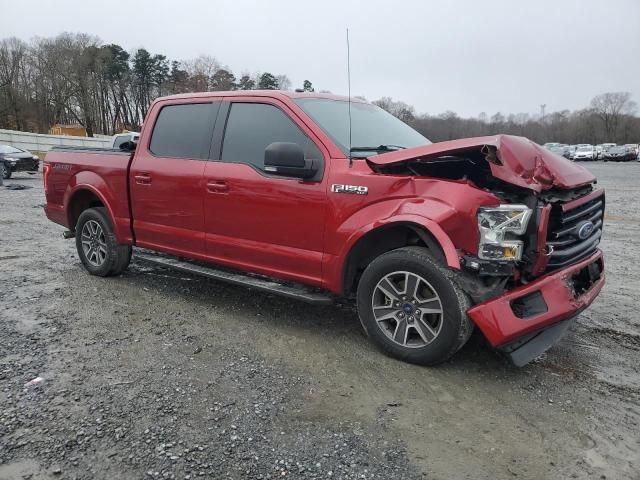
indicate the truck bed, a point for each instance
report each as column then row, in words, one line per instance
column 100, row 175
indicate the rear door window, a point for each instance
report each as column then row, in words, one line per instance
column 251, row 127
column 184, row 131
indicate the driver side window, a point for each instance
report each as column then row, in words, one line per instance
column 251, row 127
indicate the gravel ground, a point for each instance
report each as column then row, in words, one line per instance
column 156, row 374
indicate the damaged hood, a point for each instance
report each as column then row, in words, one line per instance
column 515, row 160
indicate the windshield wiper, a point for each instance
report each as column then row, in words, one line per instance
column 379, row 148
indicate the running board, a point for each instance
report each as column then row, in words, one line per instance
column 299, row 292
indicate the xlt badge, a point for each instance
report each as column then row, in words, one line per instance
column 355, row 189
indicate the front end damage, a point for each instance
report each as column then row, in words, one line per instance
column 519, row 321
column 539, row 274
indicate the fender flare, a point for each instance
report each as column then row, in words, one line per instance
column 431, row 227
column 428, row 230
column 72, row 191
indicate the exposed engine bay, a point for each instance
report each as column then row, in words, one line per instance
column 474, row 167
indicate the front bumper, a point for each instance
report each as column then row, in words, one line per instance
column 534, row 307
column 24, row 165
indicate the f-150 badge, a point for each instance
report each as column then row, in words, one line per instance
column 354, row 189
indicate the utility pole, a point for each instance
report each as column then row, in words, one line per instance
column 542, row 107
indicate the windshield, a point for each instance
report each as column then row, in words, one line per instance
column 585, row 149
column 9, row 149
column 371, row 126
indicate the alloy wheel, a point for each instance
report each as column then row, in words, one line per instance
column 94, row 245
column 407, row 309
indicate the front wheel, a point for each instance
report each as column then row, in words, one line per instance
column 98, row 249
column 411, row 307
column 6, row 171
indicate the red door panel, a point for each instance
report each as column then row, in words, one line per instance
column 167, row 203
column 272, row 225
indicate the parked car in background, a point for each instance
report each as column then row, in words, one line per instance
column 620, row 153
column 550, row 145
column 559, row 150
column 121, row 138
column 635, row 148
column 14, row 159
column 599, row 152
column 570, row 152
column 607, row 146
column 585, row 152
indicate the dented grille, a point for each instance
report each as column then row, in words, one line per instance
column 570, row 238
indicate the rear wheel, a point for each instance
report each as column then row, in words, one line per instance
column 97, row 246
column 6, row 171
column 411, row 308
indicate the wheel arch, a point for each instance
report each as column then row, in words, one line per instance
column 81, row 199
column 400, row 233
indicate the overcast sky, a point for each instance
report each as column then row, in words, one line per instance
column 467, row 56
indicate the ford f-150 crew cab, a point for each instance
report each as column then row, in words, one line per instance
column 310, row 196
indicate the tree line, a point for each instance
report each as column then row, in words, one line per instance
column 610, row 117
column 76, row 79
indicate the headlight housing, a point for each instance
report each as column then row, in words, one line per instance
column 495, row 225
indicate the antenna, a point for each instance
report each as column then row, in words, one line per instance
column 349, row 89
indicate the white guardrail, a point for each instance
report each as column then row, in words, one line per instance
column 43, row 143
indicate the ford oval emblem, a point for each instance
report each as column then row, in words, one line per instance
column 585, row 230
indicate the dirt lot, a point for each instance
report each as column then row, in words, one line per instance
column 156, row 374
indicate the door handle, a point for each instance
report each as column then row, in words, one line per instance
column 217, row 186
column 142, row 178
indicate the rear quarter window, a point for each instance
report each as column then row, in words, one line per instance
column 184, row 131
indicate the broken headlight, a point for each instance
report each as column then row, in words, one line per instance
column 498, row 226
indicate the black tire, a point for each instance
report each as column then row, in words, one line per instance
column 6, row 171
column 117, row 256
column 455, row 325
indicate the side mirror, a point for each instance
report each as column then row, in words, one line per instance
column 128, row 146
column 287, row 159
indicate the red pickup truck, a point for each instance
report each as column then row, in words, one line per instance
column 311, row 196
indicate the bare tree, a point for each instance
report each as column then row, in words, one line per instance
column 201, row 70
column 402, row 110
column 283, row 82
column 611, row 108
column 12, row 59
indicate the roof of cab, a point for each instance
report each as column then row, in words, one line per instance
column 262, row 93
